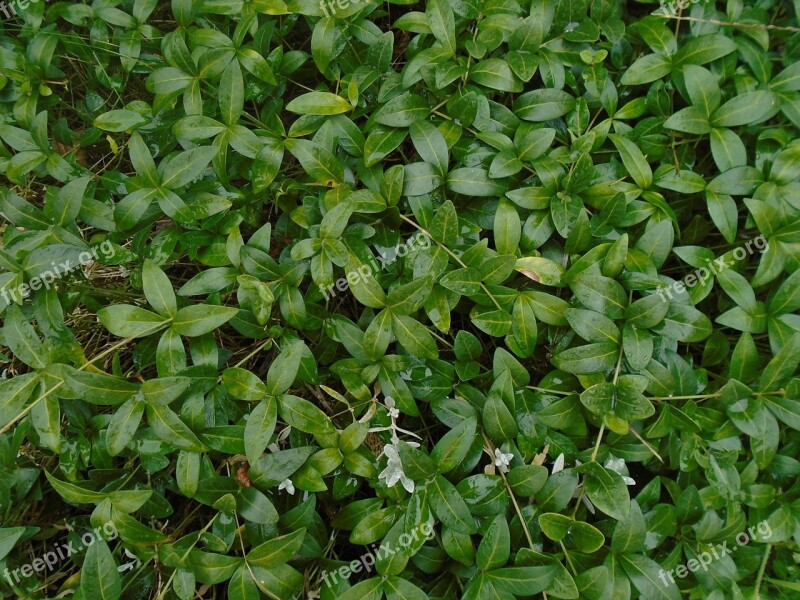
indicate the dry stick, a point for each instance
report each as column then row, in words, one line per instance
column 732, row 24
column 103, row 354
column 646, row 444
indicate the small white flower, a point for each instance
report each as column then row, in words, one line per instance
column 618, row 466
column 502, row 461
column 394, row 413
column 390, row 452
column 287, row 485
column 558, row 465
column 394, row 469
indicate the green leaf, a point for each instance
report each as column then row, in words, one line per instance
column 21, row 338
column 507, row 228
column 449, row 507
column 401, row 589
column 644, row 574
column 704, row 49
column 319, row 103
column 430, row 145
column 407, row 298
column 119, row 120
column 259, row 428
column 99, row 576
column 371, row 589
column 9, row 536
column 591, row 358
column 600, row 294
column 521, row 581
column 746, row 109
column 231, row 93
column 243, row 384
column 474, row 181
column 527, row 480
column 66, row 205
column 185, row 167
column 123, row 425
column 199, row 319
column 125, row 320
column 171, row 429
column 14, row 394
column 606, row 490
column 724, row 213
column 543, row 105
column 647, row 69
column 74, row 493
column 402, row 111
column 414, row 337
column 541, row 270
column 380, row 142
column 495, row 74
column 782, row 366
column 689, row 120
column 158, row 289
column 637, row 343
column 451, row 450
column 495, row 547
column 630, row 533
column 634, row 161
column 284, row 368
column 420, row 178
column 303, row 415
column 498, row 421
column 685, row 324
column 442, row 23
column 702, row 88
column 592, row 326
column 316, row 160
column 276, row 551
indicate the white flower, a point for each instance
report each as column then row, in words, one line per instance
column 394, row 413
column 394, row 469
column 391, row 453
column 287, row 485
column 558, row 465
column 618, row 466
column 502, row 461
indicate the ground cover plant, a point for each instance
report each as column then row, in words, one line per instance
column 445, row 299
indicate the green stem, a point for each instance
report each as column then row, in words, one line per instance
column 760, row 576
